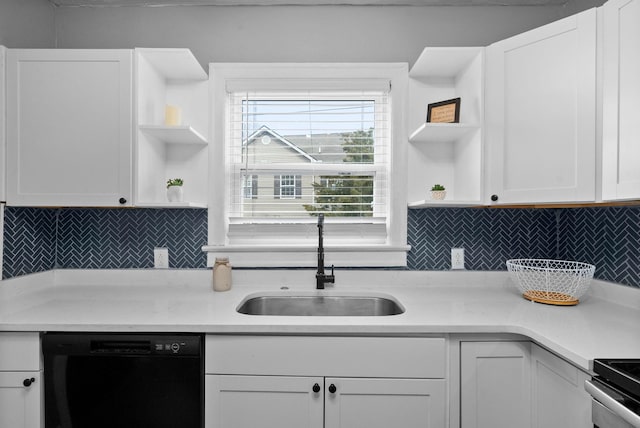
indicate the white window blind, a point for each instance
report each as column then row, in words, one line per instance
column 294, row 153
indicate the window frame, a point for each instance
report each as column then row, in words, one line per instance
column 293, row 187
column 364, row 244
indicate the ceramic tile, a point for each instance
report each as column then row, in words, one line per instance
column 38, row 239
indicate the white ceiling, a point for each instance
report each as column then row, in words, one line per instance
column 307, row 2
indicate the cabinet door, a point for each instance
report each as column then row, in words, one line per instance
column 263, row 401
column 621, row 100
column 541, row 113
column 69, row 127
column 20, row 404
column 495, row 385
column 3, row 175
column 559, row 397
column 383, row 403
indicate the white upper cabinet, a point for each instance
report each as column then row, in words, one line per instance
column 174, row 144
column 69, row 127
column 540, row 114
column 449, row 154
column 621, row 100
column 3, row 176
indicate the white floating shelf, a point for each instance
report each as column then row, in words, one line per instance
column 443, row 62
column 171, row 205
column 174, row 63
column 444, row 204
column 174, row 134
column 441, row 132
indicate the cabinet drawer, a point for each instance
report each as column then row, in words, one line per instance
column 407, row 357
column 19, row 351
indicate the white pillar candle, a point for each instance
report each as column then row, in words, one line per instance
column 172, row 115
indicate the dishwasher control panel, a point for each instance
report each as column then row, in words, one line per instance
column 124, row 344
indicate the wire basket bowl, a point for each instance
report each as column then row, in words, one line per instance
column 554, row 282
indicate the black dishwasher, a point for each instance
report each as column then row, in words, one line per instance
column 123, row 380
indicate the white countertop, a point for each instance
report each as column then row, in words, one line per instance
column 606, row 323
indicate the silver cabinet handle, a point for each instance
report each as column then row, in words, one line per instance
column 612, row 404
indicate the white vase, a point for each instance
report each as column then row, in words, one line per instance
column 174, row 194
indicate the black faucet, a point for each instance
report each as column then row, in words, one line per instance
column 321, row 277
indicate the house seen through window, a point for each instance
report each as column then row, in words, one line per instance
column 296, row 155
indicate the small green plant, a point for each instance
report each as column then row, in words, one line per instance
column 174, row 182
column 437, row 187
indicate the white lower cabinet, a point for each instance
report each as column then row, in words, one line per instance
column 559, row 397
column 263, row 401
column 495, row 384
column 325, row 382
column 19, row 403
column 383, row 403
column 520, row 384
column 313, row 402
column 20, row 381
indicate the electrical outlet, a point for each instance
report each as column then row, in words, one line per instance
column 457, row 258
column 161, row 257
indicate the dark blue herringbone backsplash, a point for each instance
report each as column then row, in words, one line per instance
column 29, row 241
column 489, row 236
column 608, row 237
column 38, row 239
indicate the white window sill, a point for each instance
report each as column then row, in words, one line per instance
column 307, row 256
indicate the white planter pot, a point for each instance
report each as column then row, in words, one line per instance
column 438, row 195
column 175, row 194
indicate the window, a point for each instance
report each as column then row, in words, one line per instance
column 304, row 138
column 300, row 140
column 287, row 186
column 250, row 186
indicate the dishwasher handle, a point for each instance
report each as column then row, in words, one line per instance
column 611, row 403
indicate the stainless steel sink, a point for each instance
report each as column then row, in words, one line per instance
column 320, row 305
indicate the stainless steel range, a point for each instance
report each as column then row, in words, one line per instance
column 616, row 393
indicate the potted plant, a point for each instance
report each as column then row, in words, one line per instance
column 174, row 189
column 438, row 192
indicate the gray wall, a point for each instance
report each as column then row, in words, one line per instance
column 296, row 33
column 27, row 24
column 276, row 33
column 574, row 6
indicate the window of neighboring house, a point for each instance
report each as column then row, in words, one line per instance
column 250, row 186
column 287, row 186
column 325, row 144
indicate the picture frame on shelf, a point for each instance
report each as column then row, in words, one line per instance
column 444, row 111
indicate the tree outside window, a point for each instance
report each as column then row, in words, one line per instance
column 347, row 195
